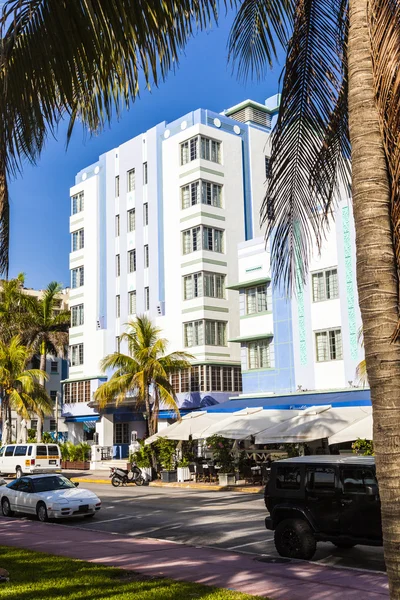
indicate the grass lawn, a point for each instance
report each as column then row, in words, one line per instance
column 39, row 576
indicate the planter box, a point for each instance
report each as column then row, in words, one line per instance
column 168, row 476
column 147, row 473
column 226, row 478
column 79, row 465
column 184, row 474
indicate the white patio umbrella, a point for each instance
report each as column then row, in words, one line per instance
column 190, row 423
column 244, row 423
column 361, row 429
column 314, row 423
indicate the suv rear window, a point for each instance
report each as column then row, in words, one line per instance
column 319, row 478
column 355, row 480
column 41, row 451
column 288, row 478
column 53, row 450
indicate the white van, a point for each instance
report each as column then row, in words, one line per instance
column 29, row 459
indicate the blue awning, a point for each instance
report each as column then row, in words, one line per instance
column 299, row 401
column 84, row 419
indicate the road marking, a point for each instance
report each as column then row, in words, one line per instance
column 116, row 519
column 248, row 544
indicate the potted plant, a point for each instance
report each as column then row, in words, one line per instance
column 183, row 469
column 143, row 460
column 75, row 457
column 221, row 451
column 166, row 455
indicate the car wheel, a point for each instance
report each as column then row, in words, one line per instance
column 6, row 508
column 41, row 512
column 344, row 545
column 116, row 481
column 294, row 539
column 18, row 473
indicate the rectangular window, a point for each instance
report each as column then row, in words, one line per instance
column 78, row 240
column 131, row 180
column 131, row 220
column 209, row 150
column 210, row 238
column 53, row 396
column 201, row 284
column 257, row 299
column 116, row 225
column 267, row 167
column 117, row 306
column 146, row 298
column 146, row 256
column 122, row 433
column 320, row 479
column 76, row 353
column 325, row 285
column 145, row 173
column 20, row 450
column 117, row 186
column 34, row 424
column 117, row 344
column 328, row 345
column 53, row 425
column 53, row 366
column 132, row 302
column 132, row 261
column 145, row 213
column 259, row 354
column 203, row 192
column 117, row 265
column 191, row 240
column 77, row 315
column 288, row 478
column 211, row 333
column 77, row 277
column 78, row 203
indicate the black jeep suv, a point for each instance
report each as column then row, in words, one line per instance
column 323, row 498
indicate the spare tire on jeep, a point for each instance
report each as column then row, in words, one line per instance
column 295, row 539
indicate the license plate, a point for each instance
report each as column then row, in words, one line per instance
column 84, row 508
column 52, row 462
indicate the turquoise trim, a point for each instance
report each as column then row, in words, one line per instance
column 300, row 304
column 348, row 261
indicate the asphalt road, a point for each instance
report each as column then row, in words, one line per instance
column 230, row 520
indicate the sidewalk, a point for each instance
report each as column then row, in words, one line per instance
column 103, row 478
column 243, row 573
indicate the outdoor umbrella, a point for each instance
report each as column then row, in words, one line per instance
column 312, row 424
column 361, row 429
column 187, row 426
column 244, row 423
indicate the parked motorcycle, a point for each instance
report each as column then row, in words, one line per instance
column 123, row 476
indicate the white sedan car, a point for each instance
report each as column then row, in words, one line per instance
column 48, row 497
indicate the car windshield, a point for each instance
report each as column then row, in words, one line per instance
column 48, row 484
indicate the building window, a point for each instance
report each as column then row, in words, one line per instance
column 325, row 285
column 122, row 433
column 117, row 186
column 78, row 203
column 200, row 147
column 76, row 353
column 54, row 366
column 267, row 167
column 117, row 344
column 77, row 317
column 205, row 332
column 146, row 256
column 116, row 225
column 145, row 213
column 146, row 298
column 201, row 284
column 199, row 237
column 260, row 354
column 201, row 191
column 76, row 391
column 53, row 425
column 131, row 180
column 132, row 261
column 257, row 299
column 77, row 277
column 34, row 424
column 329, row 345
column 53, row 396
column 78, row 240
column 117, row 265
column 131, row 220
column 132, row 302
column 145, row 173
column 117, row 306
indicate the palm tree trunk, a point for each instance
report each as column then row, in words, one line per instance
column 377, row 280
column 42, row 381
column 4, row 420
column 18, row 429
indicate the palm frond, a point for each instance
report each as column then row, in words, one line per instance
column 252, row 40
column 311, row 87
column 361, row 373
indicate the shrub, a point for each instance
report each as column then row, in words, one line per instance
column 221, row 451
column 363, row 447
column 47, row 438
column 143, row 456
column 32, row 436
column 166, row 452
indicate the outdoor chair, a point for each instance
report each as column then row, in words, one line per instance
column 212, row 473
column 199, row 473
column 192, row 471
column 248, row 474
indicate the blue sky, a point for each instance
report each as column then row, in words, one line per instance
column 40, row 204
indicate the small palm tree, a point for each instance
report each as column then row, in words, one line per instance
column 15, row 308
column 22, row 389
column 144, row 373
column 48, row 331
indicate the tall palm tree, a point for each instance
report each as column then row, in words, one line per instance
column 48, row 331
column 340, row 99
column 21, row 389
column 15, row 308
column 143, row 374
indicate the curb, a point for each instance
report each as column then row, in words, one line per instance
column 210, row 488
